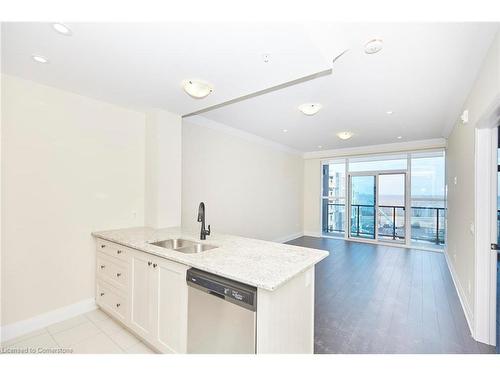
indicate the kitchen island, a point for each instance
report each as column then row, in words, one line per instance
column 144, row 286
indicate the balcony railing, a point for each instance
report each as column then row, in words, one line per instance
column 427, row 222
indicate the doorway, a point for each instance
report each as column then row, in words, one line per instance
column 363, row 206
column 377, row 206
column 391, row 223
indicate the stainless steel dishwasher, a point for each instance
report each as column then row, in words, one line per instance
column 221, row 314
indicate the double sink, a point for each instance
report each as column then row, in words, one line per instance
column 183, row 246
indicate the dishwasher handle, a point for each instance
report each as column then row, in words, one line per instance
column 215, row 294
column 231, row 291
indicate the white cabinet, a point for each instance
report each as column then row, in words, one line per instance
column 170, row 306
column 112, row 300
column 146, row 293
column 141, row 319
column 112, row 280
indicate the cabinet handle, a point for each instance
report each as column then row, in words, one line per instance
column 118, row 251
column 102, row 294
column 154, row 265
column 117, row 305
column 102, row 266
column 149, row 263
column 103, row 246
column 118, row 274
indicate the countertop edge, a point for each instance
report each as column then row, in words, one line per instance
column 208, row 269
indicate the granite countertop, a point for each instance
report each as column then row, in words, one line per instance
column 262, row 264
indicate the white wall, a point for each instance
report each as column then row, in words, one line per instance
column 312, row 197
column 250, row 188
column 163, row 169
column 71, row 165
column 460, row 165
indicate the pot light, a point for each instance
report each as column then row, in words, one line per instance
column 373, row 46
column 196, row 88
column 400, row 137
column 389, row 112
column 40, row 59
column 320, row 147
column 310, row 109
column 285, row 130
column 62, row 29
column 344, row 135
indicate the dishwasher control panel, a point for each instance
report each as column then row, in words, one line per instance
column 230, row 290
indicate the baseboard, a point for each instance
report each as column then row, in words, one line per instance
column 11, row 331
column 461, row 295
column 289, row 237
column 312, row 234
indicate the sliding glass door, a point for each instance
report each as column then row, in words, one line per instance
column 362, row 203
column 377, row 206
column 398, row 198
column 391, row 213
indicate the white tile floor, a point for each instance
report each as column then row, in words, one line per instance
column 91, row 333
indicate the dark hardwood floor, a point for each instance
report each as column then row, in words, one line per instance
column 383, row 299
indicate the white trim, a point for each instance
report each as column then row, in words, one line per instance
column 214, row 125
column 485, row 234
column 289, row 237
column 23, row 327
column 461, row 294
column 426, row 144
column 485, row 220
column 494, row 239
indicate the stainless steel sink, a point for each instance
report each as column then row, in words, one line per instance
column 183, row 246
column 174, row 244
column 196, row 248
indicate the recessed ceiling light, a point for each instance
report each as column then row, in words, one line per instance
column 389, row 112
column 373, row 46
column 285, row 130
column 400, row 136
column 344, row 135
column 310, row 109
column 62, row 29
column 40, row 59
column 196, row 88
column 320, row 146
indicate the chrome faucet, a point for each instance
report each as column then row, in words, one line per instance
column 201, row 219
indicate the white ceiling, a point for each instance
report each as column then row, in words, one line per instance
column 423, row 74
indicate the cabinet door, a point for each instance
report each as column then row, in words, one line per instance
column 141, row 294
column 170, row 306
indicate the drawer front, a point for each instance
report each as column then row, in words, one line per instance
column 113, row 250
column 112, row 300
column 113, row 271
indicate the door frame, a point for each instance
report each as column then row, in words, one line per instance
column 483, row 326
column 407, row 206
column 348, row 205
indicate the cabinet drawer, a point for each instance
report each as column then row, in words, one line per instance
column 112, row 249
column 112, row 270
column 111, row 300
